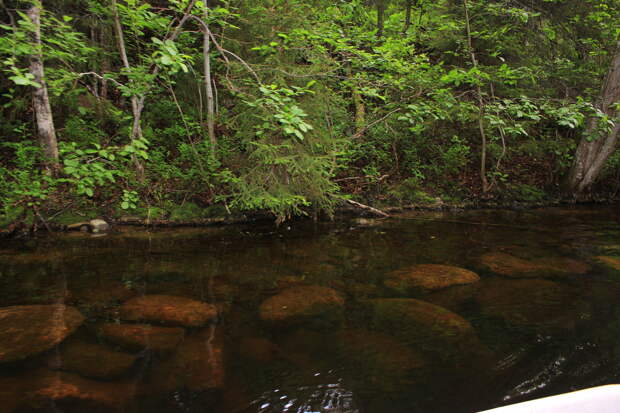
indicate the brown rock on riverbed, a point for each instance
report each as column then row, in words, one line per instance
column 515, row 267
column 70, row 393
column 143, row 336
column 169, row 310
column 198, row 366
column 302, row 303
column 378, row 354
column 429, row 277
column 32, row 329
column 427, row 326
column 101, row 295
column 534, row 303
column 610, row 261
column 258, row 349
column 92, row 360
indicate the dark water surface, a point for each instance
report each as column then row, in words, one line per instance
column 525, row 336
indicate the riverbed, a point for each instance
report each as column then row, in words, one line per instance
column 423, row 312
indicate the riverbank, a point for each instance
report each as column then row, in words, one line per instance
column 26, row 223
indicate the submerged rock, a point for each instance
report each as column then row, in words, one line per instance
column 378, row 355
column 258, row 349
column 378, row 364
column 453, row 298
column 170, row 310
column 535, row 303
column 32, row 329
column 198, row 366
column 289, row 281
column 610, row 261
column 101, row 295
column 429, row 277
column 70, row 393
column 426, row 325
column 511, row 266
column 299, row 304
column 92, row 360
column 143, row 336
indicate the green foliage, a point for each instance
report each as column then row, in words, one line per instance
column 410, row 192
column 60, row 43
column 292, row 166
column 528, row 193
column 129, row 200
column 311, row 105
column 282, row 114
column 187, row 211
column 89, row 167
column 167, row 55
column 23, row 183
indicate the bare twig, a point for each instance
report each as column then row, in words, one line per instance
column 353, row 178
column 223, row 51
column 36, row 211
column 371, row 124
column 98, row 76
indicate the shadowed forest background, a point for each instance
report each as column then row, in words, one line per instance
column 186, row 109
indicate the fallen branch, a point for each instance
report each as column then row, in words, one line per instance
column 36, row 211
column 353, row 178
column 367, row 208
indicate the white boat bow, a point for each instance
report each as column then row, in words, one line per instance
column 603, row 399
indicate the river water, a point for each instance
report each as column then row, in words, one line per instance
column 544, row 317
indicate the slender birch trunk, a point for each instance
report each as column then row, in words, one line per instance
column 208, row 80
column 591, row 155
column 137, row 103
column 483, row 136
column 40, row 96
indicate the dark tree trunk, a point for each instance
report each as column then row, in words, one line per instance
column 592, row 153
column 381, row 6
column 408, row 7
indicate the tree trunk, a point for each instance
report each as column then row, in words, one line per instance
column 360, row 111
column 105, row 61
column 358, row 101
column 408, row 7
column 40, row 97
column 381, row 6
column 591, row 155
column 483, row 136
column 208, row 80
column 137, row 103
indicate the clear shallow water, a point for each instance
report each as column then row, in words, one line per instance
column 533, row 338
